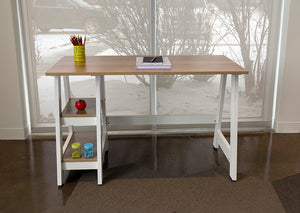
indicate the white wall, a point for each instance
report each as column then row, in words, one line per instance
column 12, row 119
column 288, row 106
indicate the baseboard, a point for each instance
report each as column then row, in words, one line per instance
column 287, row 127
column 14, row 133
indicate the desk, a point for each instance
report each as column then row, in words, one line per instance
column 99, row 66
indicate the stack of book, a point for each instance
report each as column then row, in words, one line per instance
column 157, row 62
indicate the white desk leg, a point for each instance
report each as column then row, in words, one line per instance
column 103, row 115
column 98, row 129
column 222, row 89
column 57, row 96
column 233, row 127
column 67, row 88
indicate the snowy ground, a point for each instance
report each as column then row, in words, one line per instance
column 128, row 96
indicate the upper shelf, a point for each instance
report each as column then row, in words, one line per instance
column 71, row 111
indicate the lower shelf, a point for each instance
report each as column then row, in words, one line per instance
column 82, row 138
column 83, row 165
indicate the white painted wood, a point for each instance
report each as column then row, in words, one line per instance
column 67, row 88
column 233, row 127
column 223, row 144
column 103, row 116
column 103, row 101
column 70, row 135
column 105, row 136
column 101, row 121
column 79, row 121
column 220, row 109
column 160, row 119
column 80, row 165
column 98, row 129
column 57, row 92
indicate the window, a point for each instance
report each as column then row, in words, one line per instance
column 237, row 29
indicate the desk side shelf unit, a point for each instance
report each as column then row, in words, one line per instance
column 69, row 116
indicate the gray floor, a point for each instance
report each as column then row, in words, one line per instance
column 28, row 170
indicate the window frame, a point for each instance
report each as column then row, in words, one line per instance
column 34, row 107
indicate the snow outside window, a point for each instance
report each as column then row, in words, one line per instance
column 237, row 29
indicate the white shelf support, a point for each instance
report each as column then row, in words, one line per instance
column 80, row 165
column 160, row 119
column 233, row 128
column 103, row 114
column 99, row 85
column 58, row 131
column 220, row 109
column 225, row 146
column 67, row 88
column 70, row 135
column 229, row 149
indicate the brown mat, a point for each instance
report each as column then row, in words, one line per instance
column 288, row 191
column 188, row 194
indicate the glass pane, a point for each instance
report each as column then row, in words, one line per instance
column 111, row 28
column 128, row 95
column 237, row 29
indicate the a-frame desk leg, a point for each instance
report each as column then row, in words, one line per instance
column 220, row 109
column 99, row 85
column 229, row 149
column 233, row 128
column 57, row 96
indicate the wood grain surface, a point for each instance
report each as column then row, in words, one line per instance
column 82, row 138
column 71, row 111
column 126, row 65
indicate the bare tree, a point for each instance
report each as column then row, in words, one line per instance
column 248, row 23
column 185, row 28
column 181, row 29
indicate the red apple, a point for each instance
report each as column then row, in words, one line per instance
column 80, row 104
